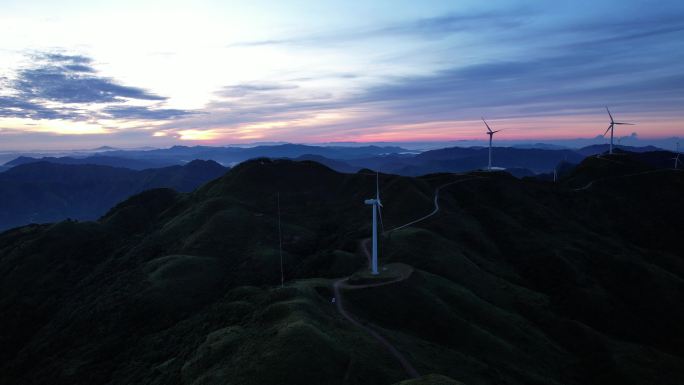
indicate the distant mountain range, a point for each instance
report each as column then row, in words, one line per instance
column 521, row 160
column 42, row 191
column 603, row 148
column 513, row 281
column 132, row 163
column 53, row 188
column 232, row 155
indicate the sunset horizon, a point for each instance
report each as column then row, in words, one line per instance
column 219, row 74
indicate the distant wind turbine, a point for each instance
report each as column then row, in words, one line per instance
column 676, row 158
column 611, row 128
column 677, row 161
column 491, row 136
column 377, row 205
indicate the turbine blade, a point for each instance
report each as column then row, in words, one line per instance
column 382, row 224
column 608, row 129
column 609, row 114
column 485, row 122
column 628, row 124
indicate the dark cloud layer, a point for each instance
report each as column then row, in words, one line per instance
column 62, row 58
column 626, row 64
column 71, row 79
column 13, row 107
column 47, row 88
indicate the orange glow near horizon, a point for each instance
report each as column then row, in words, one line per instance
column 319, row 127
column 517, row 129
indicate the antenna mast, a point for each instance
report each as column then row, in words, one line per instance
column 280, row 244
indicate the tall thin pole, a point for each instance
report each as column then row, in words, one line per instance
column 374, row 259
column 490, row 152
column 280, row 244
column 611, row 138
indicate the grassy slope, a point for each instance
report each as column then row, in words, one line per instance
column 517, row 282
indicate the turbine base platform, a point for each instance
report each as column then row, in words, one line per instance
column 387, row 273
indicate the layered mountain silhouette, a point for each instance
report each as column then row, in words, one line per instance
column 514, row 281
column 135, row 164
column 232, row 155
column 42, row 192
column 520, row 161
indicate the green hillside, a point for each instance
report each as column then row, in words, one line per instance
column 513, row 282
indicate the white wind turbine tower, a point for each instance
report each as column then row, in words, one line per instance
column 377, row 205
column 491, row 136
column 611, row 128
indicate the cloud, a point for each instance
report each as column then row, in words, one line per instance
column 71, row 79
column 68, row 87
column 13, row 107
column 570, row 68
column 62, row 58
column 245, row 89
column 456, row 22
column 79, row 68
column 429, row 28
column 419, row 73
column 144, row 113
column 566, row 77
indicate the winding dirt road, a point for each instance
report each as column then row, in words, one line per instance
column 436, row 209
column 341, row 283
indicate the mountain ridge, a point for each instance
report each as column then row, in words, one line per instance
column 523, row 281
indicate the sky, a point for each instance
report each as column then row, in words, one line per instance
column 80, row 74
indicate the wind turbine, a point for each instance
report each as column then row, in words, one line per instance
column 676, row 158
column 377, row 205
column 611, row 128
column 491, row 136
column 677, row 161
